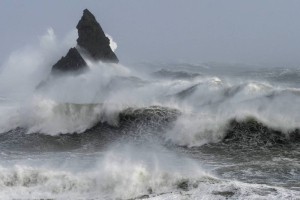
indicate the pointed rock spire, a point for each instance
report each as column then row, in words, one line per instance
column 92, row 38
column 71, row 62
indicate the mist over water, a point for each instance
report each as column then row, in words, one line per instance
column 159, row 131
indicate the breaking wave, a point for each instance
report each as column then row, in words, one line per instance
column 129, row 132
column 129, row 172
column 142, row 184
column 188, row 108
column 162, row 124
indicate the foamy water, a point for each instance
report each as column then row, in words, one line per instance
column 126, row 132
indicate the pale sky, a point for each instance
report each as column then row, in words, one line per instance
column 253, row 31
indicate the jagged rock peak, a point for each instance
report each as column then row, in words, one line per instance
column 71, row 62
column 92, row 38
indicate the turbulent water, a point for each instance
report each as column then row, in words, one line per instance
column 148, row 130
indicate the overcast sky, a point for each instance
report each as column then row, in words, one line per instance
column 253, row 31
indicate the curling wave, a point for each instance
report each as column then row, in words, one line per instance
column 153, row 122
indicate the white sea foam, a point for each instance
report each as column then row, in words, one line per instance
column 33, row 99
column 113, row 45
column 123, row 172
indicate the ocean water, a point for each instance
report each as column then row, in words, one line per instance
column 147, row 130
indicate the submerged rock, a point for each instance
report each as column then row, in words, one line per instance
column 93, row 40
column 71, row 62
column 183, row 185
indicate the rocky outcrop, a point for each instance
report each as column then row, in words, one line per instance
column 71, row 62
column 93, row 40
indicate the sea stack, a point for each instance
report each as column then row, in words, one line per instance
column 92, row 40
column 71, row 62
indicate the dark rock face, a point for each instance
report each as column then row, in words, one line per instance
column 93, row 40
column 71, row 62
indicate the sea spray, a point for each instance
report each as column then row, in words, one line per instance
column 119, row 131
